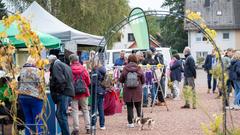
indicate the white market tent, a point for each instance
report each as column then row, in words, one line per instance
column 44, row 22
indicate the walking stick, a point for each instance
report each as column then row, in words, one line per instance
column 159, row 88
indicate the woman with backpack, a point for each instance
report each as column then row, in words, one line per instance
column 98, row 93
column 133, row 78
column 80, row 76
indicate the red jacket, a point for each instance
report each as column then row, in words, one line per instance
column 77, row 69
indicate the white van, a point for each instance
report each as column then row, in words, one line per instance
column 112, row 55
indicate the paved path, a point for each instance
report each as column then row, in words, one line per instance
column 175, row 122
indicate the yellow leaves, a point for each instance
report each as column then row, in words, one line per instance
column 41, row 63
column 211, row 33
column 196, row 16
column 193, row 15
column 10, row 49
column 46, row 61
column 205, row 129
column 13, row 85
column 148, row 66
column 159, row 66
column 3, row 59
column 6, row 94
column 214, row 126
column 3, row 35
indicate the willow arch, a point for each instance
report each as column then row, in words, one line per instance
column 115, row 28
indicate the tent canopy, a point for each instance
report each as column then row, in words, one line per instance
column 47, row 40
column 44, row 22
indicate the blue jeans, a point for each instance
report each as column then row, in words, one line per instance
column 236, row 92
column 100, row 110
column 61, row 113
column 32, row 107
column 209, row 77
column 153, row 90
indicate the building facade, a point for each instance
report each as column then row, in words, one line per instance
column 220, row 15
column 126, row 38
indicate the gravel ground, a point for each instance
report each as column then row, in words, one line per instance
column 173, row 122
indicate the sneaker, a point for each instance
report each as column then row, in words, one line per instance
column 144, row 105
column 229, row 107
column 130, row 125
column 236, row 107
column 187, row 106
column 103, row 128
column 194, row 107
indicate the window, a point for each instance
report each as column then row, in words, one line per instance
column 131, row 37
column 108, row 57
column 207, row 3
column 116, row 55
column 198, row 39
column 226, row 36
column 219, row 13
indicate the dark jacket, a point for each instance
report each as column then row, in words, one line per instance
column 101, row 72
column 234, row 70
column 190, row 67
column 149, row 61
column 132, row 95
column 208, row 63
column 61, row 79
column 176, row 71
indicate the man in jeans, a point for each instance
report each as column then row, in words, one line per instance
column 189, row 76
column 210, row 63
column 62, row 90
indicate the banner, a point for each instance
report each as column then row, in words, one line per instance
column 138, row 23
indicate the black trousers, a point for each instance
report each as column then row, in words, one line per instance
column 130, row 110
column 161, row 90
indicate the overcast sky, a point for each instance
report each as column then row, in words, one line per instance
column 146, row 4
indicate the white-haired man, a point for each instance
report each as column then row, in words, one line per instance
column 61, row 88
column 189, row 76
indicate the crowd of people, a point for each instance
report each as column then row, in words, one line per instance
column 69, row 86
column 231, row 63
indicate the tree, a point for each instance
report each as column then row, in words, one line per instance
column 91, row 16
column 153, row 25
column 3, row 11
column 172, row 33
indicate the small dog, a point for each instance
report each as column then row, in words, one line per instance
column 144, row 121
